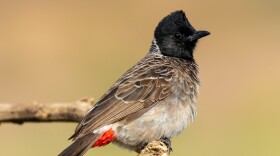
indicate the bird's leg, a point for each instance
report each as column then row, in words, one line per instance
column 141, row 147
column 167, row 142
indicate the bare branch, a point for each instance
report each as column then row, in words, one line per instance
column 155, row 148
column 63, row 112
column 38, row 112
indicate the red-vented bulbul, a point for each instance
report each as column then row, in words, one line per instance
column 153, row 100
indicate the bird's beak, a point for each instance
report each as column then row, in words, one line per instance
column 197, row 35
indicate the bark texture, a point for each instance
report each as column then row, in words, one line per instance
column 45, row 112
column 155, row 148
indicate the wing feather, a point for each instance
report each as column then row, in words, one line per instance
column 142, row 86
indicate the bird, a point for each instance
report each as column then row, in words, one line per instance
column 154, row 100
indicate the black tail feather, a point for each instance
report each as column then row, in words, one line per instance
column 81, row 145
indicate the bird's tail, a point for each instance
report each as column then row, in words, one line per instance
column 81, row 145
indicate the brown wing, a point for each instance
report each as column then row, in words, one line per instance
column 149, row 81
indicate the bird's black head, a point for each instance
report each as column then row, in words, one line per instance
column 176, row 37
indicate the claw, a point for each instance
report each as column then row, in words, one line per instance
column 167, row 142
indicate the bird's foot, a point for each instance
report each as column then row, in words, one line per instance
column 143, row 146
column 167, row 142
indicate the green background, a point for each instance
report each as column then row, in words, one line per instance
column 60, row 51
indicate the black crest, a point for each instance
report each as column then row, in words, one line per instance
column 176, row 37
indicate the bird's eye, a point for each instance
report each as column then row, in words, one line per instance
column 177, row 35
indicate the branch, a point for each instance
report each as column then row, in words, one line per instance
column 64, row 112
column 155, row 148
column 38, row 112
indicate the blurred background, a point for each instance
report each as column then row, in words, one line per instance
column 60, row 51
